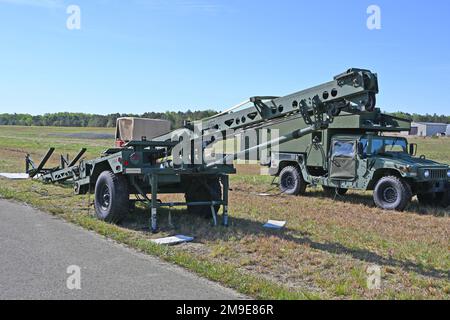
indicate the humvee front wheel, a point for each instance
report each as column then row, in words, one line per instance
column 112, row 198
column 392, row 193
column 292, row 182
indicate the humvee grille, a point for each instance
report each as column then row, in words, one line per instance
column 437, row 174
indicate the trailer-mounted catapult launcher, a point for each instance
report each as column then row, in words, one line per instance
column 330, row 135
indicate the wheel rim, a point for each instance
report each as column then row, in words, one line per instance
column 390, row 195
column 105, row 198
column 288, row 181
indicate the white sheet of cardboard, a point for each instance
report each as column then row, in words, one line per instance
column 274, row 224
column 15, row 176
column 173, row 240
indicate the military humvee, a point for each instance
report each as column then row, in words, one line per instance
column 357, row 152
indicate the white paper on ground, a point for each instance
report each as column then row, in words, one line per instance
column 264, row 194
column 173, row 240
column 15, row 176
column 274, row 224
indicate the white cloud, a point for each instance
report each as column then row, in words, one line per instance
column 35, row 3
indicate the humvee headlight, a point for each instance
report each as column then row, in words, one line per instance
column 426, row 173
column 448, row 174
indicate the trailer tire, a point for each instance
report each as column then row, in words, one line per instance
column 198, row 192
column 391, row 193
column 112, row 198
column 292, row 182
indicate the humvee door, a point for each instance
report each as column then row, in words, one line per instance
column 343, row 160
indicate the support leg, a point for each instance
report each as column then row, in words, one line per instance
column 154, row 203
column 171, row 225
column 28, row 163
column 226, row 187
column 214, row 215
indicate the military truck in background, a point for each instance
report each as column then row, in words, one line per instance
column 356, row 151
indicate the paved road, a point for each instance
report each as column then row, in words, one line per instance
column 36, row 249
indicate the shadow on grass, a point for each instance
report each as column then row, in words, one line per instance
column 367, row 200
column 202, row 229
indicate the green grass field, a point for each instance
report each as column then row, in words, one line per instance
column 323, row 252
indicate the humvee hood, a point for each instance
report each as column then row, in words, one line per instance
column 406, row 159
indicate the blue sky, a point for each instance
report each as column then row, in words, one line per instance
column 136, row 56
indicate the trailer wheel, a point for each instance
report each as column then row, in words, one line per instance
column 112, row 199
column 199, row 192
column 292, row 182
column 391, row 193
column 331, row 192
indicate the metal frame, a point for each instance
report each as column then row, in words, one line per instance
column 64, row 172
column 154, row 204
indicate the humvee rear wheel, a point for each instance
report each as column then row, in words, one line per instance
column 112, row 199
column 391, row 193
column 292, row 182
column 331, row 192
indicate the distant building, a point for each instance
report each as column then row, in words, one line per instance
column 429, row 129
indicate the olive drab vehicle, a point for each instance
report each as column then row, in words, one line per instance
column 358, row 152
column 329, row 135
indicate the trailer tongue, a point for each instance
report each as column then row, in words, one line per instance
column 66, row 170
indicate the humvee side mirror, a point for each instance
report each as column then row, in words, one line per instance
column 413, row 149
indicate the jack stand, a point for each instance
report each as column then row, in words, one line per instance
column 154, row 203
column 214, row 215
column 226, row 188
column 225, row 216
column 171, row 226
column 153, row 221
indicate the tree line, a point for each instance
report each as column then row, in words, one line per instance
column 423, row 117
column 67, row 119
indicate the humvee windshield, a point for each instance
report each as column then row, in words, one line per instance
column 383, row 145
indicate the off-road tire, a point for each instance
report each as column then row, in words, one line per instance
column 392, row 193
column 332, row 192
column 112, row 198
column 292, row 182
column 199, row 192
